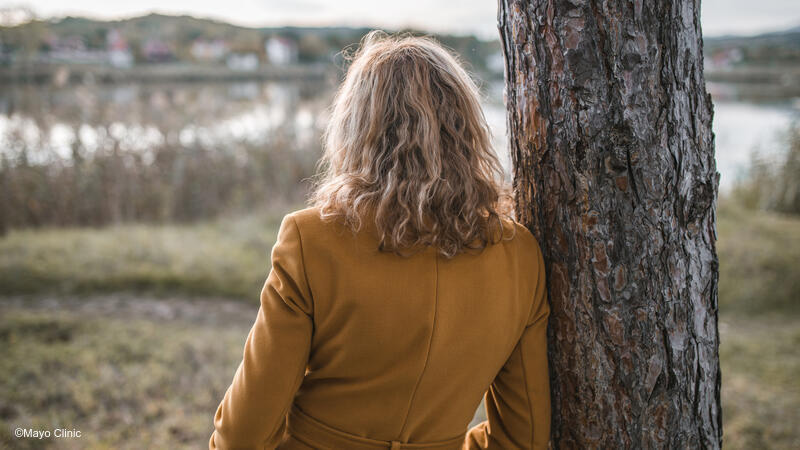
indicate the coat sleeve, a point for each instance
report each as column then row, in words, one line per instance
column 253, row 411
column 518, row 400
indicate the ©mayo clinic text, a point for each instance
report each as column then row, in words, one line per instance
column 46, row 434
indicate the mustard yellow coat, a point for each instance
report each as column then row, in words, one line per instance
column 354, row 348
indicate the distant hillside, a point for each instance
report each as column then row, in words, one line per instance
column 179, row 37
column 770, row 49
column 159, row 38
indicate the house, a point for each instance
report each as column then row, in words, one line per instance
column 119, row 53
column 280, row 51
column 205, row 50
column 156, row 50
column 73, row 49
column 724, row 58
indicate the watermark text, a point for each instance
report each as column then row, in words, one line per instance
column 39, row 433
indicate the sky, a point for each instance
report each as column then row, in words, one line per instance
column 457, row 16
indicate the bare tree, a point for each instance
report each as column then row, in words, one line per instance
column 614, row 171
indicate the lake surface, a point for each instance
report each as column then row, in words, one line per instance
column 50, row 123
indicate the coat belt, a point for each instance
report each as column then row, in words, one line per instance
column 306, row 428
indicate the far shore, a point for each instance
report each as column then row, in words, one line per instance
column 757, row 83
column 62, row 74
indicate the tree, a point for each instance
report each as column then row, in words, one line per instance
column 614, row 173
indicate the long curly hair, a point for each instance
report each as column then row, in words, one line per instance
column 408, row 145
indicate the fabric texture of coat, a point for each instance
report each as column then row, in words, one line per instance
column 354, row 348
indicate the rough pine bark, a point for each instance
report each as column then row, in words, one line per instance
column 614, row 173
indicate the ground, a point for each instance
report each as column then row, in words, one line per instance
column 127, row 371
column 146, row 368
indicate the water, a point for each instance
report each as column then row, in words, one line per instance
column 741, row 128
column 51, row 123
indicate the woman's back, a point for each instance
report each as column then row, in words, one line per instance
column 390, row 348
column 404, row 348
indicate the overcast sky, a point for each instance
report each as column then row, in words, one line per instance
column 459, row 16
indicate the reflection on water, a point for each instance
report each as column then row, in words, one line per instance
column 741, row 128
column 42, row 123
column 99, row 154
column 48, row 123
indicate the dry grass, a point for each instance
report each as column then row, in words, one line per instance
column 759, row 256
column 760, row 392
column 147, row 377
column 225, row 257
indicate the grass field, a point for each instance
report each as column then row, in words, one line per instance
column 227, row 257
column 128, row 373
column 759, row 258
column 146, row 368
column 760, row 392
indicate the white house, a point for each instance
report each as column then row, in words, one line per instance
column 119, row 54
column 209, row 50
column 280, row 51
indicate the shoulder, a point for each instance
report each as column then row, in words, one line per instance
column 293, row 222
column 522, row 235
column 530, row 256
column 311, row 227
column 296, row 229
column 307, row 220
column 524, row 245
column 304, row 216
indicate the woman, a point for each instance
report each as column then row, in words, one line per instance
column 405, row 292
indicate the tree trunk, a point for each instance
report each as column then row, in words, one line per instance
column 614, row 172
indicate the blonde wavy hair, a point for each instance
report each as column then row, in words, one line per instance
column 408, row 142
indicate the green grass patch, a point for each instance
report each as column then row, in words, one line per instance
column 759, row 258
column 227, row 257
